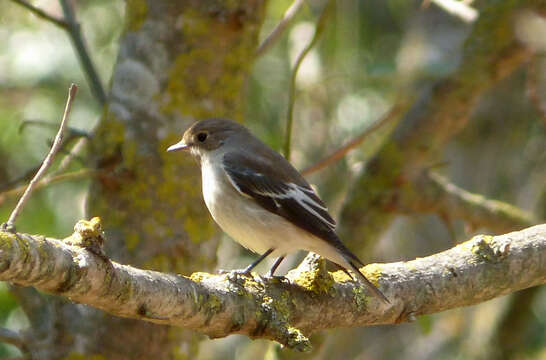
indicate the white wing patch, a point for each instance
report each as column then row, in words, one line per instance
column 289, row 191
column 299, row 194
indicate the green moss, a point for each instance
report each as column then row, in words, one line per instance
column 282, row 305
column 6, row 244
column 296, row 340
column 211, row 68
column 136, row 13
column 213, row 305
column 6, row 240
column 482, row 248
column 360, row 299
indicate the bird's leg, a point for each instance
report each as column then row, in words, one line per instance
column 275, row 266
column 249, row 268
column 255, row 263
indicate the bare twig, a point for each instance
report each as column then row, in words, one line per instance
column 42, row 14
column 337, row 155
column 286, row 310
column 321, row 24
column 12, row 337
column 47, row 161
column 286, row 20
column 74, row 153
column 50, row 179
column 438, row 195
column 83, row 55
column 70, row 130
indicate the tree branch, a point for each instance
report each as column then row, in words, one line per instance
column 47, row 161
column 47, row 181
column 42, row 14
column 437, row 194
column 286, row 20
column 394, row 113
column 282, row 310
column 74, row 31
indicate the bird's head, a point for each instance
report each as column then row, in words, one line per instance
column 208, row 135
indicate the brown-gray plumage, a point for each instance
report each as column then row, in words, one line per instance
column 260, row 200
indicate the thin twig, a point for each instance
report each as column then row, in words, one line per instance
column 42, row 14
column 76, row 150
column 11, row 337
column 29, row 174
column 10, row 224
column 283, row 24
column 321, row 24
column 49, row 180
column 74, row 132
column 83, row 55
column 337, row 155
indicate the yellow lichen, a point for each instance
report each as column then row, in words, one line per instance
column 317, row 281
column 87, row 233
column 199, row 276
column 340, row 276
column 482, row 248
column 373, row 272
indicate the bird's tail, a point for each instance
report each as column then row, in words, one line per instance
column 374, row 290
column 345, row 259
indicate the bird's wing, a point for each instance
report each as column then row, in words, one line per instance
column 281, row 191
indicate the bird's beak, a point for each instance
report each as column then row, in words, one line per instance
column 181, row 145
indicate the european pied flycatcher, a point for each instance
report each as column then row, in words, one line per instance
column 260, row 200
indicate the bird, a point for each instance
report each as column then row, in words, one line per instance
column 260, row 200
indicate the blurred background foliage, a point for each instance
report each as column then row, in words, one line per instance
column 370, row 54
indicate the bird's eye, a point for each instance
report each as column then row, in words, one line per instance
column 201, row 137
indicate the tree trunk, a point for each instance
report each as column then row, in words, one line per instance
column 178, row 61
